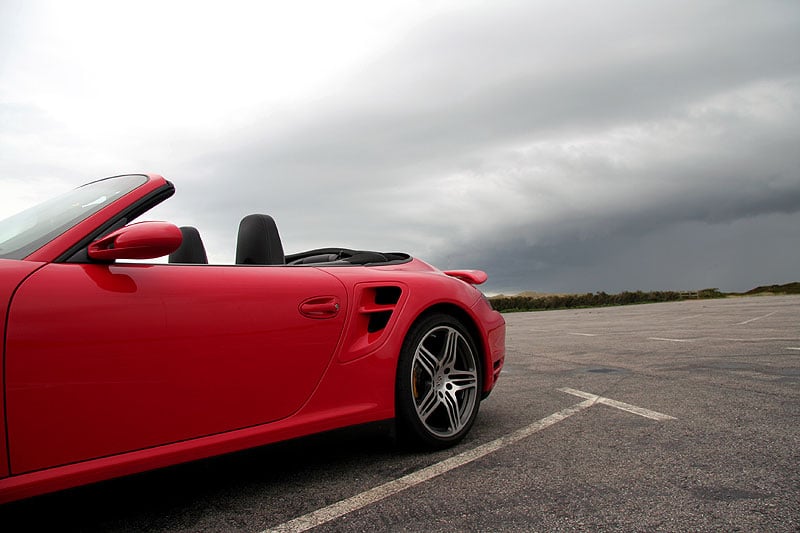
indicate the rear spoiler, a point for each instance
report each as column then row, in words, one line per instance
column 473, row 277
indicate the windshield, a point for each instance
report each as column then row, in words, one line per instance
column 29, row 230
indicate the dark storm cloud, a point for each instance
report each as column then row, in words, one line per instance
column 734, row 256
column 539, row 141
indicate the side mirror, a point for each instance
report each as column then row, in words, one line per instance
column 143, row 240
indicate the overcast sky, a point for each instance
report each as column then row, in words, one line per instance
column 562, row 146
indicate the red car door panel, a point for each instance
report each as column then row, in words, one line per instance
column 103, row 359
column 12, row 273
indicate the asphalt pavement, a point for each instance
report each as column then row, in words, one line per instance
column 680, row 416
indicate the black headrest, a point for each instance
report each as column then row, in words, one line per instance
column 259, row 242
column 191, row 249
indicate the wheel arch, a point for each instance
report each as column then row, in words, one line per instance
column 470, row 324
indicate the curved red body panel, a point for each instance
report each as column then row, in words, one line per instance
column 127, row 357
column 12, row 273
column 130, row 367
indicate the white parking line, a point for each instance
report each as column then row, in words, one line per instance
column 647, row 413
column 584, row 334
column 760, row 339
column 343, row 507
column 346, row 506
column 669, row 340
column 793, row 348
column 756, row 318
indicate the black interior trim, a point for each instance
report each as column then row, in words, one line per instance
column 346, row 257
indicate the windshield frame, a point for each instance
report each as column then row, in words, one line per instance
column 29, row 230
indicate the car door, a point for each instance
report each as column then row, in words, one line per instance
column 104, row 359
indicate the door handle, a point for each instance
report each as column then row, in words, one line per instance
column 320, row 307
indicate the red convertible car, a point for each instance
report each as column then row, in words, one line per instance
column 112, row 367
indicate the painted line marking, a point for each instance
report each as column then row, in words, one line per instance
column 376, row 494
column 756, row 318
column 669, row 340
column 647, row 413
column 793, row 348
column 346, row 506
column 761, row 339
column 584, row 334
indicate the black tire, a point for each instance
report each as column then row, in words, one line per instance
column 439, row 382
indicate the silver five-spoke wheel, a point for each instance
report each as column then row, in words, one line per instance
column 444, row 381
column 439, row 381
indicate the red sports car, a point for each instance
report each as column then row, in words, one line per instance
column 113, row 367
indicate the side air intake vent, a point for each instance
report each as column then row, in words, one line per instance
column 387, row 295
column 378, row 304
column 378, row 320
column 377, row 307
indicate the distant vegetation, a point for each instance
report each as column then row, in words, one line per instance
column 789, row 288
column 540, row 302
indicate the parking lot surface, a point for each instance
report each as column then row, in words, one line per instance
column 675, row 416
